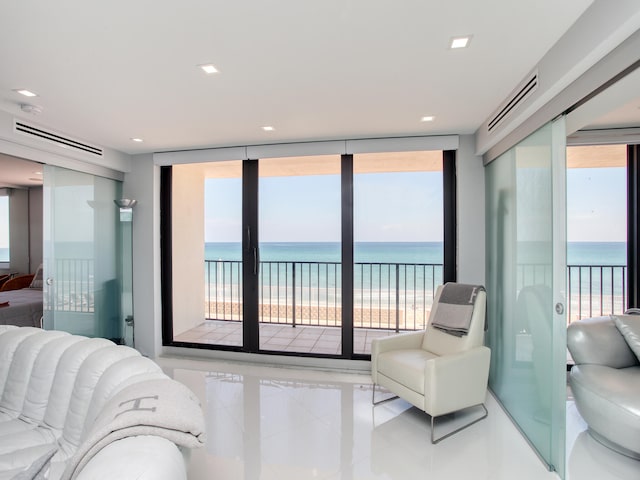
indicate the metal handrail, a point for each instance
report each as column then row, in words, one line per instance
column 395, row 296
column 595, row 290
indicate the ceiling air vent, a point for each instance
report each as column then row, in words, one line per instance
column 523, row 92
column 52, row 137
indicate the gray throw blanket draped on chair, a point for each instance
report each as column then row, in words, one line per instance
column 161, row 407
column 455, row 308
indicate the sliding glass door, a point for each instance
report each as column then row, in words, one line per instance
column 82, row 290
column 398, row 242
column 300, row 290
column 207, row 253
column 273, row 240
column 526, row 277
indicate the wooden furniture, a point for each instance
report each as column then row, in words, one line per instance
column 16, row 283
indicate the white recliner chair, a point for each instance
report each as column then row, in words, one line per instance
column 437, row 372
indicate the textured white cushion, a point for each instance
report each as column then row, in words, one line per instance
column 38, row 469
column 52, row 388
column 121, row 459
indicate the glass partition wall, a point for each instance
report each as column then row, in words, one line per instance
column 82, row 251
column 526, row 277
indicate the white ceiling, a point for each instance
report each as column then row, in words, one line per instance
column 19, row 173
column 109, row 71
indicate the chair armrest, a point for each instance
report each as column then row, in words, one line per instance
column 598, row 341
column 143, row 457
column 457, row 381
column 403, row 341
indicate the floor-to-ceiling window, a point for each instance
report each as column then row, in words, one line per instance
column 274, row 239
column 207, row 263
column 398, row 242
column 300, row 299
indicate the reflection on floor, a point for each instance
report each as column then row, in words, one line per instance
column 587, row 459
column 289, row 423
column 283, row 338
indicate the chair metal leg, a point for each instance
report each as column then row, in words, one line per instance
column 373, row 397
column 434, row 441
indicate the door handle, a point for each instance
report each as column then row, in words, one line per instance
column 256, row 260
column 49, row 281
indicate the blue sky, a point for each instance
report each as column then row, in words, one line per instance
column 388, row 207
column 396, row 207
column 596, row 204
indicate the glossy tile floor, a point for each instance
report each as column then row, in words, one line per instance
column 290, row 423
column 283, row 338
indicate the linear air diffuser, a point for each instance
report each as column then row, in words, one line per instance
column 521, row 93
column 40, row 133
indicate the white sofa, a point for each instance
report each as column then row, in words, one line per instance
column 605, row 379
column 57, row 395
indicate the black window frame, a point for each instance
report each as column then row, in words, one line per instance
column 250, row 252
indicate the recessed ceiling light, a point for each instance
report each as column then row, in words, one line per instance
column 37, row 172
column 460, row 42
column 268, row 128
column 25, row 92
column 208, row 68
column 428, row 118
column 139, row 140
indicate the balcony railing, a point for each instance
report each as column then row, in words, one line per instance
column 396, row 296
column 74, row 286
column 596, row 290
column 592, row 290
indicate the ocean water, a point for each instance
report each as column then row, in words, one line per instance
column 578, row 253
column 364, row 252
column 406, row 274
column 596, row 253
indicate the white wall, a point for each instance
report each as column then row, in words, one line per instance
column 143, row 184
column 187, row 221
column 471, row 213
column 19, row 231
column 35, row 226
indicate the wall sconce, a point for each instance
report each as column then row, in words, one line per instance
column 126, row 208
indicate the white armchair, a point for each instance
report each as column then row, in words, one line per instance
column 437, row 372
